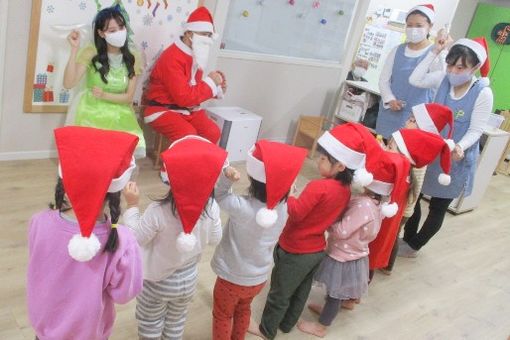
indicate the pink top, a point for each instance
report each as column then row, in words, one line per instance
column 348, row 239
column 68, row 299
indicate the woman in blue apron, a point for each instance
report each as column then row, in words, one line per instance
column 397, row 94
column 471, row 99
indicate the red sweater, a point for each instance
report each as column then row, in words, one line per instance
column 170, row 80
column 320, row 204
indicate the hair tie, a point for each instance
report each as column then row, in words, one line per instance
column 117, row 8
column 114, row 225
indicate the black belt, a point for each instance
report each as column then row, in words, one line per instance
column 168, row 106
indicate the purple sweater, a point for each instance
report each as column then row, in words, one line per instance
column 68, row 299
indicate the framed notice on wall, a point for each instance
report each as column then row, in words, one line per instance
column 153, row 25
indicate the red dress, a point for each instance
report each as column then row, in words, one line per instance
column 380, row 248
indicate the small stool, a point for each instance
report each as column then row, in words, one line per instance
column 308, row 131
column 160, row 145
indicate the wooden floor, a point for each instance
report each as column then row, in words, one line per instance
column 458, row 287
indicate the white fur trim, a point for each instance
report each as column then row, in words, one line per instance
column 450, row 143
column 362, row 177
column 199, row 26
column 183, row 47
column 389, row 210
column 479, row 50
column 350, row 158
column 212, row 85
column 120, row 182
column 397, row 136
column 266, row 218
column 380, row 187
column 83, row 249
column 444, row 179
column 423, row 119
column 186, row 242
column 425, row 10
column 254, row 167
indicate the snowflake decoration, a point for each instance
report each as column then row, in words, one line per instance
column 83, row 5
column 147, row 20
column 50, row 9
column 178, row 9
column 144, row 44
column 169, row 17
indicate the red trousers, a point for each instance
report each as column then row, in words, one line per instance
column 174, row 125
column 231, row 310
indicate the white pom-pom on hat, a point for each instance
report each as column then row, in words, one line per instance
column 83, row 249
column 389, row 210
column 186, row 242
column 444, row 179
column 450, row 143
column 362, row 177
column 266, row 218
column 485, row 81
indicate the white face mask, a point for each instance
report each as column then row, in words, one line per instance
column 200, row 46
column 358, row 72
column 117, row 39
column 416, row 34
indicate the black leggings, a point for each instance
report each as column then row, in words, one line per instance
column 329, row 311
column 432, row 224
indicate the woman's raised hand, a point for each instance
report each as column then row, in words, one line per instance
column 443, row 40
column 74, row 39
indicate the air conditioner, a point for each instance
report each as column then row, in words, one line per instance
column 239, row 129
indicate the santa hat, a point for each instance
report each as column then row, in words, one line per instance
column 422, row 148
column 200, row 20
column 346, row 145
column 92, row 162
column 481, row 49
column 433, row 118
column 426, row 9
column 192, row 165
column 277, row 165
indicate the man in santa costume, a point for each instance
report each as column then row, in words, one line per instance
column 177, row 86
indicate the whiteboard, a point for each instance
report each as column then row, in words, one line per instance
column 154, row 25
column 308, row 29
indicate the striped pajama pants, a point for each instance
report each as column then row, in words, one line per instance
column 162, row 306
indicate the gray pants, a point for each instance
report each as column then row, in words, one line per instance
column 329, row 311
column 162, row 306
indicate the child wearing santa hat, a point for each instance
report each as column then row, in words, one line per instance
column 173, row 232
column 300, row 248
column 243, row 259
column 81, row 262
column 471, row 99
column 433, row 118
column 344, row 271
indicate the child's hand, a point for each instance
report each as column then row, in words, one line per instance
column 232, row 174
column 131, row 194
column 97, row 92
column 74, row 39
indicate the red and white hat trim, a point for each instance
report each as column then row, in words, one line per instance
column 380, row 187
column 119, row 183
column 350, row 158
column 423, row 119
column 254, row 167
column 397, row 136
column 479, row 50
column 429, row 12
column 199, row 26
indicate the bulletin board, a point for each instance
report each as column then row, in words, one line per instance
column 153, row 25
column 309, row 29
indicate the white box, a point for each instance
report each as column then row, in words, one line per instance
column 239, row 129
column 350, row 111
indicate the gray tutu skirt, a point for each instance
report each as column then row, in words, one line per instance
column 343, row 280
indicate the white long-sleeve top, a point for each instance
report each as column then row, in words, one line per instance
column 385, row 76
column 157, row 231
column 425, row 77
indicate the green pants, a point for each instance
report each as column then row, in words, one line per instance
column 291, row 281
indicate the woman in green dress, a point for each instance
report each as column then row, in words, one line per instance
column 111, row 71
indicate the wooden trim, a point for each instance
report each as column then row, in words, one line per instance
column 33, row 38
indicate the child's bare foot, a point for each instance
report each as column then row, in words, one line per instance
column 313, row 328
column 253, row 328
column 317, row 309
column 385, row 271
column 350, row 304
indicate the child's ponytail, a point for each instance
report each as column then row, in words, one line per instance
column 60, row 200
column 114, row 206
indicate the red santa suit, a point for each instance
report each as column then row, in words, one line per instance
column 177, row 88
column 380, row 248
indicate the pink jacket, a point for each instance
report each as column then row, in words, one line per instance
column 75, row 300
column 348, row 239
